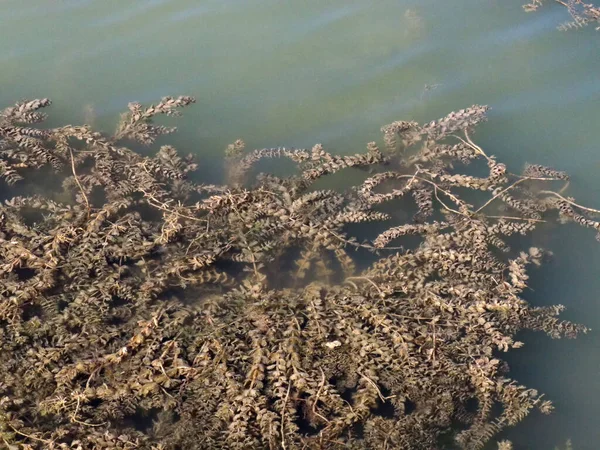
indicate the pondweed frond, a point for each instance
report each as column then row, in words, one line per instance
column 142, row 310
column 582, row 13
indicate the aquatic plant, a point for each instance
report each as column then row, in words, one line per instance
column 143, row 309
column 507, row 445
column 582, row 13
column 568, row 445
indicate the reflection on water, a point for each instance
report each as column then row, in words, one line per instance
column 296, row 73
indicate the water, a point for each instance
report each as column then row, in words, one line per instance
column 297, row 73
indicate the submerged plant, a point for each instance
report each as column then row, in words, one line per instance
column 507, row 445
column 143, row 309
column 582, row 13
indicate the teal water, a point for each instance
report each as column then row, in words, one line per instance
column 300, row 72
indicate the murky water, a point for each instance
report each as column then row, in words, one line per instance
column 299, row 72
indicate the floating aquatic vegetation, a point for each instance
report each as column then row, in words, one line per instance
column 143, row 310
column 582, row 13
column 507, row 445
column 568, row 445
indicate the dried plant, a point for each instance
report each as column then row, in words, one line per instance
column 507, row 445
column 141, row 310
column 568, row 445
column 582, row 13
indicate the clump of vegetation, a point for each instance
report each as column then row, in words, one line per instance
column 568, row 445
column 507, row 445
column 142, row 309
column 582, row 13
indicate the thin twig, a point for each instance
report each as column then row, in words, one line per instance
column 76, row 420
column 372, row 383
column 30, row 437
column 353, row 284
column 528, row 219
column 471, row 144
column 435, row 189
column 570, row 202
column 366, row 279
column 162, row 206
column 501, row 192
column 314, row 405
column 283, row 416
column 433, row 352
column 564, row 188
column 317, row 317
column 410, row 182
column 78, row 183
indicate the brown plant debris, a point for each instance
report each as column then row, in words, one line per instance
column 582, row 13
column 142, row 309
